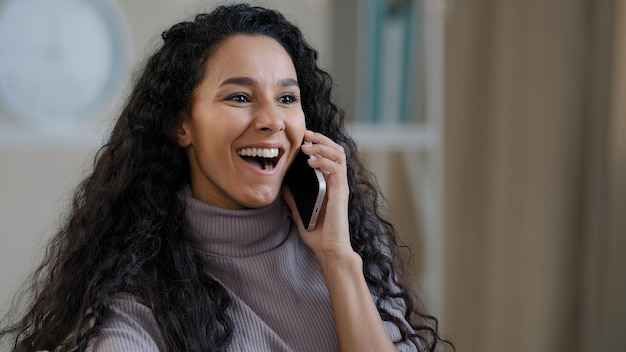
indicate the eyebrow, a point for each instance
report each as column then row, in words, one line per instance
column 247, row 81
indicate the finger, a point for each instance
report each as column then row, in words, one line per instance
column 327, row 161
column 334, row 152
column 327, row 166
column 318, row 138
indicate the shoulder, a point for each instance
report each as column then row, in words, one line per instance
column 131, row 326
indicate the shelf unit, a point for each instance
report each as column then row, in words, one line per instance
column 418, row 134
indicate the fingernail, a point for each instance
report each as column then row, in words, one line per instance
column 309, row 132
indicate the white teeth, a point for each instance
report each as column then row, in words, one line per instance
column 259, row 152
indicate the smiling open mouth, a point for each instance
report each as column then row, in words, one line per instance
column 264, row 158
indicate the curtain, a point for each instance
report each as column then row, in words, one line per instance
column 603, row 317
column 535, row 173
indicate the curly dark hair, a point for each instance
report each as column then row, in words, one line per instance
column 125, row 231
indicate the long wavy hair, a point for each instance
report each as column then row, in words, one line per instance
column 125, row 230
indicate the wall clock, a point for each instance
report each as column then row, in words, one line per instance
column 61, row 62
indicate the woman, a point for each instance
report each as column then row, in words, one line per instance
column 183, row 237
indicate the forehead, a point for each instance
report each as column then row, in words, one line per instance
column 250, row 54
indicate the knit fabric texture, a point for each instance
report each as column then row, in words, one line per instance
column 279, row 298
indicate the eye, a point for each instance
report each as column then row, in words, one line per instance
column 238, row 98
column 288, row 99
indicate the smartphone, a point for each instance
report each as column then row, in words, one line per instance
column 308, row 187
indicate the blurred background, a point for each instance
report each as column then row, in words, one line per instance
column 496, row 130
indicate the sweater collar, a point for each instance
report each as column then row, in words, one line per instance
column 236, row 233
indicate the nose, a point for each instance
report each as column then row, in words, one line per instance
column 268, row 118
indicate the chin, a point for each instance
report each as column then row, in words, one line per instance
column 260, row 201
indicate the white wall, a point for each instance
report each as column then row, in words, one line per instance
column 37, row 175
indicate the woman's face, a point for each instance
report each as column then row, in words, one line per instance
column 246, row 124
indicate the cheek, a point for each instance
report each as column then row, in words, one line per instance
column 297, row 127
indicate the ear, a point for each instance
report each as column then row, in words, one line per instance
column 184, row 134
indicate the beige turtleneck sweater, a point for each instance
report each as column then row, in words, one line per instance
column 279, row 298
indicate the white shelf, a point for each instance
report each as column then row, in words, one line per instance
column 394, row 137
column 19, row 139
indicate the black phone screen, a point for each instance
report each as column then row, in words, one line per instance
column 308, row 188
